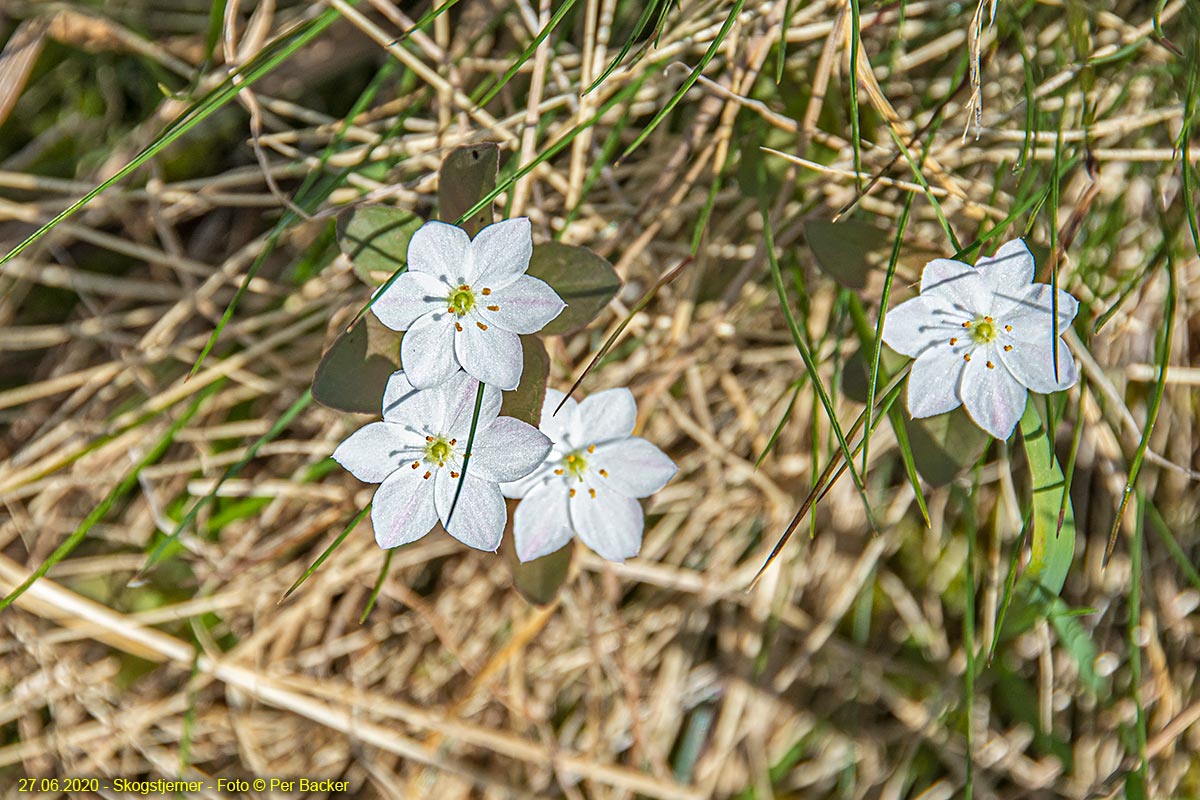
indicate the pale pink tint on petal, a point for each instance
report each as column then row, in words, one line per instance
column 508, row 450
column 376, row 450
column 403, row 509
column 427, row 351
column 525, row 306
column 635, row 467
column 410, row 297
column 541, row 523
column 479, row 517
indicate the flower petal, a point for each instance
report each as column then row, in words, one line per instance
column 1029, row 309
column 493, row 356
column 609, row 523
column 993, row 397
column 418, row 410
column 501, row 253
column 524, row 306
column 440, row 250
column 957, row 284
column 1012, row 266
column 413, row 295
column 559, row 426
column 1032, row 363
column 635, row 467
column 934, row 380
column 913, row 326
column 542, row 523
column 479, row 517
column 403, row 509
column 523, row 487
column 606, row 415
column 456, row 401
column 427, row 350
column 507, row 450
column 376, row 450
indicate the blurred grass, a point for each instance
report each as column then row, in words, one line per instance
column 170, row 278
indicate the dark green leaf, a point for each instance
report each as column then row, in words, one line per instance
column 944, row 446
column 468, row 175
column 846, row 251
column 584, row 280
column 525, row 402
column 375, row 239
column 355, row 369
column 540, row 580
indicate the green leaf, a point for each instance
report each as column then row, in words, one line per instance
column 355, row 369
column 1051, row 549
column 525, row 402
column 584, row 280
column 540, row 580
column 468, row 175
column 844, row 250
column 944, row 446
column 375, row 239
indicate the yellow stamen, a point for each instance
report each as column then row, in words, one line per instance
column 558, row 472
column 416, row 464
column 603, row 473
column 966, row 324
column 990, row 365
column 572, row 493
column 591, row 448
column 1007, row 347
column 493, row 308
column 953, row 340
column 487, row 291
column 426, row 475
column 592, row 492
column 966, row 356
column 1008, row 328
column 482, row 327
column 458, row 327
column 453, row 474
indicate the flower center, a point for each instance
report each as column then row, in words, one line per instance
column 983, row 330
column 438, row 449
column 576, row 464
column 461, row 300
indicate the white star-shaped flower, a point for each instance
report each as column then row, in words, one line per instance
column 462, row 303
column 416, row 455
column 982, row 337
column 589, row 483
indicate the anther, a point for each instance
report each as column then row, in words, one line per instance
column 450, row 310
column 988, row 319
column 571, row 493
column 966, row 356
column 454, row 441
column 604, row 473
column 429, row 438
column 1007, row 348
column 570, row 458
column 967, row 324
column 465, row 287
column 493, row 308
column 990, row 365
column 592, row 492
column 453, row 474
column 482, row 327
column 426, row 475
column 487, row 291
column 458, row 327
column 953, row 340
column 416, row 464
column 558, row 472
column 591, row 448
column 1008, row 328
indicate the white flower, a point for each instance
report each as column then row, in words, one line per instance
column 462, row 302
column 416, row 454
column 982, row 336
column 589, row 482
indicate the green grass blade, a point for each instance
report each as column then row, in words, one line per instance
column 328, row 551
column 233, row 469
column 1164, row 355
column 712, row 50
column 1052, row 549
column 383, row 573
column 271, row 57
column 515, row 67
column 127, row 483
column 466, row 454
column 642, row 22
